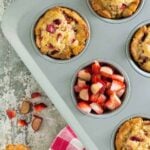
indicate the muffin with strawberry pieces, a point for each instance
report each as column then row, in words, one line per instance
column 99, row 88
column 61, row 33
column 133, row 134
column 17, row 147
column 115, row 9
column 140, row 47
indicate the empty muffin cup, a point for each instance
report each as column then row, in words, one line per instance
column 138, row 48
column 132, row 133
column 61, row 33
column 115, row 11
column 100, row 88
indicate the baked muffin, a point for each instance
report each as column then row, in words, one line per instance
column 61, row 33
column 134, row 134
column 140, row 47
column 16, row 147
column 115, row 9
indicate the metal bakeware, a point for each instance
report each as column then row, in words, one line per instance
column 107, row 42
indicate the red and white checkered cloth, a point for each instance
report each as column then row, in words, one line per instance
column 66, row 140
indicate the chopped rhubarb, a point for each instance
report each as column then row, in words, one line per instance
column 35, row 95
column 36, row 123
column 39, row 107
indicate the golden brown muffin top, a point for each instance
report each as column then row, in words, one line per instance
column 61, row 33
column 140, row 47
column 134, row 134
column 17, row 147
column 115, row 9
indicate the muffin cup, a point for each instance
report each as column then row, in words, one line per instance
column 116, row 21
column 48, row 57
column 126, row 95
column 130, row 59
column 144, row 116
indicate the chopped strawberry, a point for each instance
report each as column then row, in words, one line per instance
column 97, row 108
column 84, row 107
column 117, row 77
column 35, row 95
column 81, row 83
column 123, row 7
column 108, row 85
column 57, row 21
column 116, row 85
column 121, row 92
column 84, row 75
column 51, row 28
column 101, row 99
column 106, row 71
column 22, row 123
column 84, row 94
column 96, row 67
column 113, row 103
column 39, row 107
column 96, row 87
column 94, row 97
column 96, row 78
column 11, row 113
column 78, row 89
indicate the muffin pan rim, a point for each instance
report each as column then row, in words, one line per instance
column 48, row 58
column 126, row 96
column 117, row 21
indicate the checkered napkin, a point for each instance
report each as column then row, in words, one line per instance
column 66, row 140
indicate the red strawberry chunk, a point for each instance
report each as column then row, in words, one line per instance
column 57, row 21
column 96, row 78
column 97, row 108
column 113, row 103
column 39, row 107
column 106, row 71
column 96, row 67
column 96, row 87
column 84, row 107
column 78, row 89
column 11, row 113
column 116, row 85
column 51, row 28
column 81, row 83
column 120, row 92
column 84, row 94
column 101, row 99
column 117, row 77
column 22, row 123
column 84, row 75
column 94, row 97
column 123, row 7
column 35, row 95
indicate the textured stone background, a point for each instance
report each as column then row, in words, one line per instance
column 16, row 82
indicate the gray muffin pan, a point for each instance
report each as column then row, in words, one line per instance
column 107, row 42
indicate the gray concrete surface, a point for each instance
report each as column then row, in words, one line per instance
column 16, row 83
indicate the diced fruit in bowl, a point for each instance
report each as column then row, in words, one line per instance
column 99, row 88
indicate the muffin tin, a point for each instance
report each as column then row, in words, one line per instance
column 108, row 42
